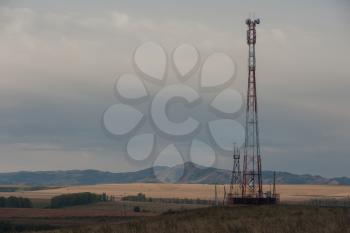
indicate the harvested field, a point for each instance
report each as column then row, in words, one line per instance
column 289, row 193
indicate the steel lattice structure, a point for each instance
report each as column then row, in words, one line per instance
column 236, row 178
column 252, row 178
column 246, row 186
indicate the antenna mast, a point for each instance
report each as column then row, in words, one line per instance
column 246, row 188
column 236, row 178
column 252, row 178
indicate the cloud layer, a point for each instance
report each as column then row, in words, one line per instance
column 59, row 63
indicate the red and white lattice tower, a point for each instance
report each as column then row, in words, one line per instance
column 252, row 177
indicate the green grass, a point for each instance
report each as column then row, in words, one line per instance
column 253, row 219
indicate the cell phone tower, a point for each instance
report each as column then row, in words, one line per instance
column 252, row 177
column 249, row 181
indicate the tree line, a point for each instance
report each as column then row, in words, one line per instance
column 78, row 199
column 330, row 202
column 140, row 197
column 15, row 202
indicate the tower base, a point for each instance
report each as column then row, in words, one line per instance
column 253, row 200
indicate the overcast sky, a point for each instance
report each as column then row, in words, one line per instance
column 59, row 61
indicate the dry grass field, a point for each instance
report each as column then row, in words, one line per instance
column 289, row 193
column 255, row 219
column 111, row 213
column 119, row 216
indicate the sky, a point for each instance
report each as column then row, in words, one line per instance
column 59, row 61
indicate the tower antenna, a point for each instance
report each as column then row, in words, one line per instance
column 251, row 178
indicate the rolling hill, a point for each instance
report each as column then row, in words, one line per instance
column 192, row 174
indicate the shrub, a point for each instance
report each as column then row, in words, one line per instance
column 137, row 209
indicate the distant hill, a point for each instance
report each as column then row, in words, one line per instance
column 192, row 174
column 196, row 174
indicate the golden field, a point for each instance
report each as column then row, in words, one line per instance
column 289, row 193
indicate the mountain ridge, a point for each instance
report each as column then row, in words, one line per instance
column 192, row 174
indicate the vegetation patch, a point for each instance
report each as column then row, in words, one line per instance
column 140, row 197
column 74, row 199
column 15, row 202
column 240, row 219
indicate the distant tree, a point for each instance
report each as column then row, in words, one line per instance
column 15, row 202
column 77, row 199
column 2, row 201
column 104, row 197
column 139, row 197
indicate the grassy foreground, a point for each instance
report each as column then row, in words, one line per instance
column 256, row 219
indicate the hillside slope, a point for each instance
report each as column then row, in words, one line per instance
column 192, row 174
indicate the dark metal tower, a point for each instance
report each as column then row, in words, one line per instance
column 252, row 179
column 236, row 178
